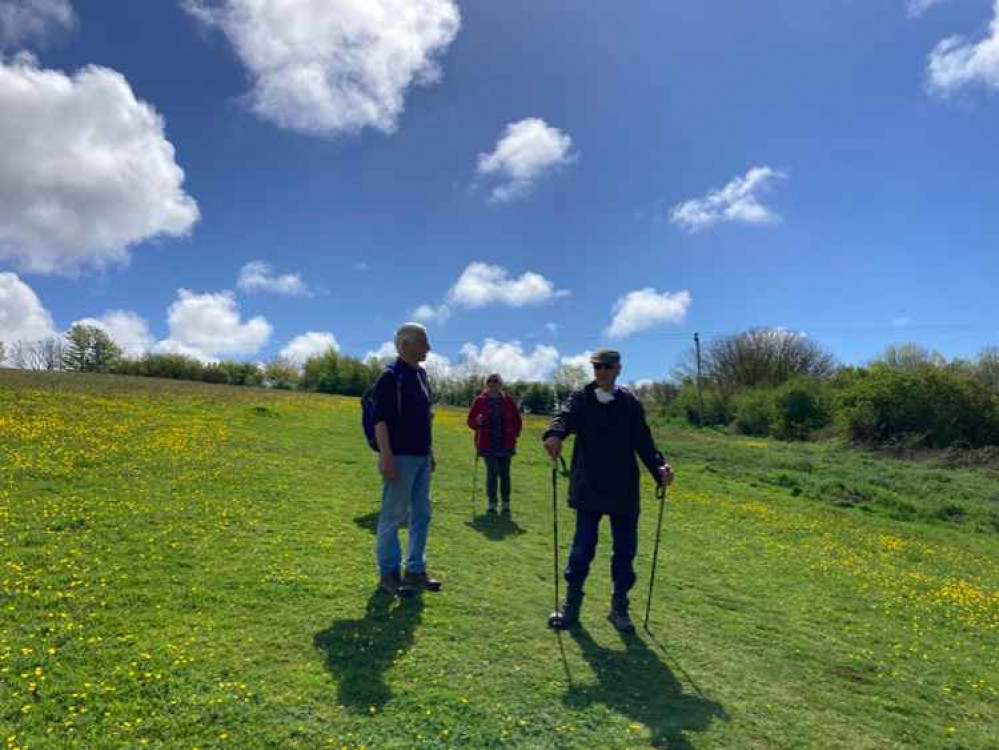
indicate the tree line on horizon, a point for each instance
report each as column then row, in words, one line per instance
column 766, row 382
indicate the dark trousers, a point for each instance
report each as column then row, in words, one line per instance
column 624, row 530
column 498, row 472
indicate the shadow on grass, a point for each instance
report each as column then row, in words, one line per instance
column 360, row 652
column 369, row 522
column 636, row 684
column 495, row 527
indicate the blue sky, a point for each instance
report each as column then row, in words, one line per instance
column 551, row 181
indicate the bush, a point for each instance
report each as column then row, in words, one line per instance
column 800, row 407
column 925, row 406
column 719, row 407
column 176, row 366
column 755, row 412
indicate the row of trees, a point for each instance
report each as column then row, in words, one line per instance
column 783, row 384
column 760, row 382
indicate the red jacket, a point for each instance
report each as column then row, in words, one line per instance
column 512, row 422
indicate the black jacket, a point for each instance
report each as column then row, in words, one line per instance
column 604, row 470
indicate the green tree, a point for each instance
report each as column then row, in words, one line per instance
column 89, row 349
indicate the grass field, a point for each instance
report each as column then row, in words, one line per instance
column 191, row 566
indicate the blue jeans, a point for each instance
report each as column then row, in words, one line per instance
column 407, row 498
column 624, row 530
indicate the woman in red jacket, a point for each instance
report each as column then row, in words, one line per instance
column 496, row 420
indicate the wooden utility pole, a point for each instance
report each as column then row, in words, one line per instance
column 700, row 390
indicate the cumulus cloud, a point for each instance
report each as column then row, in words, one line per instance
column 326, row 67
column 310, row 344
column 956, row 63
column 22, row 315
column 436, row 365
column 647, row 308
column 481, row 284
column 738, row 201
column 510, row 359
column 127, row 329
column 33, row 20
column 85, row 169
column 258, row 276
column 917, row 8
column 208, row 325
column 432, row 314
column 578, row 360
column 526, row 152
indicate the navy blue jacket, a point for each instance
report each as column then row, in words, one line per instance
column 409, row 431
column 605, row 475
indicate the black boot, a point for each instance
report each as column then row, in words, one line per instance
column 619, row 614
column 567, row 616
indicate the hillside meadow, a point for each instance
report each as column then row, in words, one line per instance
column 188, row 565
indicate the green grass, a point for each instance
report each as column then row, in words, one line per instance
column 185, row 565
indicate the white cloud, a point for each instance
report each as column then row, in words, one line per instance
column 737, row 201
column 956, row 63
column 310, row 344
column 647, row 308
column 172, row 346
column 527, row 151
column 510, row 360
column 326, row 67
column 258, row 276
column 21, row 20
column 85, row 169
column 917, row 8
column 578, row 360
column 128, row 330
column 481, row 284
column 437, row 365
column 22, row 315
column 431, row 314
column 208, row 325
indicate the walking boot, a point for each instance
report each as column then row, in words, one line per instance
column 390, row 583
column 567, row 616
column 619, row 614
column 420, row 582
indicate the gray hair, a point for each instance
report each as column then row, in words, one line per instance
column 407, row 334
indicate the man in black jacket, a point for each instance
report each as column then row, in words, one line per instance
column 610, row 428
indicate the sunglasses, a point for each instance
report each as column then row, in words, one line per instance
column 491, row 382
column 603, row 365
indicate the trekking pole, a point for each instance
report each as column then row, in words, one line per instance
column 661, row 494
column 555, row 619
column 475, row 477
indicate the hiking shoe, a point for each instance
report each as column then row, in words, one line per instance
column 505, row 511
column 491, row 510
column 567, row 615
column 618, row 616
column 421, row 582
column 390, row 583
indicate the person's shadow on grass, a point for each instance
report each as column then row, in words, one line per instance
column 359, row 652
column 495, row 527
column 635, row 683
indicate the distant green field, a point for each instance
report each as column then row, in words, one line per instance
column 187, row 566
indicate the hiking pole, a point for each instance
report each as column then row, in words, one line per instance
column 555, row 618
column 661, row 494
column 475, row 479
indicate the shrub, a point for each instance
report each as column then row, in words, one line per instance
column 755, row 412
column 925, row 406
column 719, row 407
column 800, row 407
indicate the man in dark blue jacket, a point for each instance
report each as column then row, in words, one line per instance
column 403, row 420
column 610, row 429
